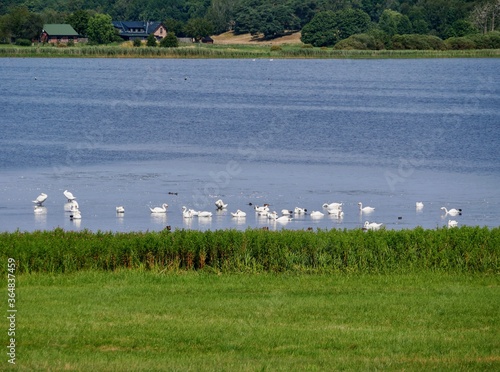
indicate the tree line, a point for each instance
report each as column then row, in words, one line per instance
column 322, row 22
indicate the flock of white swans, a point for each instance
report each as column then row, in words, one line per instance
column 333, row 209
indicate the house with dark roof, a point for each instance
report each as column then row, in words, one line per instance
column 131, row 30
column 59, row 33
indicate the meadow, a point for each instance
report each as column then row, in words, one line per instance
column 136, row 320
column 256, row 300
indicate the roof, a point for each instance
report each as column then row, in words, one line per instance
column 126, row 27
column 59, row 30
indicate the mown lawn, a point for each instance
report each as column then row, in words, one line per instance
column 137, row 320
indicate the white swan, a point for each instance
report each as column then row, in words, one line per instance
column 282, row 219
column 120, row 209
column 338, row 213
column 333, row 205
column 452, row 212
column 38, row 209
column 71, row 206
column 365, row 209
column 74, row 207
column 76, row 215
column 162, row 209
column 220, row 204
column 372, row 226
column 452, row 223
column 187, row 213
column 69, row 195
column 273, row 215
column 419, row 205
column 299, row 210
column 239, row 213
column 40, row 199
column 286, row 212
column 264, row 208
column 204, row 214
column 316, row 214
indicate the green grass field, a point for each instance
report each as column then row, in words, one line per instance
column 250, row 300
column 137, row 320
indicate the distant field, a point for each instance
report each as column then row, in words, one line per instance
column 247, row 39
column 132, row 320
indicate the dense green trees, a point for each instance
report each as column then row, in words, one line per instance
column 328, row 28
column 392, row 23
column 270, row 18
column 198, row 28
column 263, row 18
column 20, row 23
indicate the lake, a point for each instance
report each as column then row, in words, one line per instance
column 291, row 133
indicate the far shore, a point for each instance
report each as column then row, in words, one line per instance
column 228, row 45
column 229, row 51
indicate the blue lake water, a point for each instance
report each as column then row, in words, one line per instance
column 290, row 133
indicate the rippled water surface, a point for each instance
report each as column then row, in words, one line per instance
column 140, row 132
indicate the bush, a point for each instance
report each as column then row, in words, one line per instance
column 306, row 46
column 71, row 43
column 151, row 42
column 491, row 40
column 360, row 42
column 169, row 41
column 460, row 43
column 275, row 48
column 137, row 42
column 23, row 42
column 417, row 42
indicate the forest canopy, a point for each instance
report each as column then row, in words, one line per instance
column 323, row 22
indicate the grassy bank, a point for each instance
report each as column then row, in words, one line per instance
column 465, row 250
column 235, row 51
column 133, row 320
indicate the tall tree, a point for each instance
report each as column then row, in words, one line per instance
column 392, row 23
column 4, row 32
column 198, row 28
column 221, row 13
column 79, row 20
column 480, row 16
column 20, row 23
column 328, row 28
column 100, row 29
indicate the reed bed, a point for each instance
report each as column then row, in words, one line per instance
column 462, row 250
column 236, row 51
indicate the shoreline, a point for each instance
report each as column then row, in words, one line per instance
column 229, row 51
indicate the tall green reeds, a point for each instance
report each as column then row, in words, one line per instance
column 466, row 249
column 235, row 51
